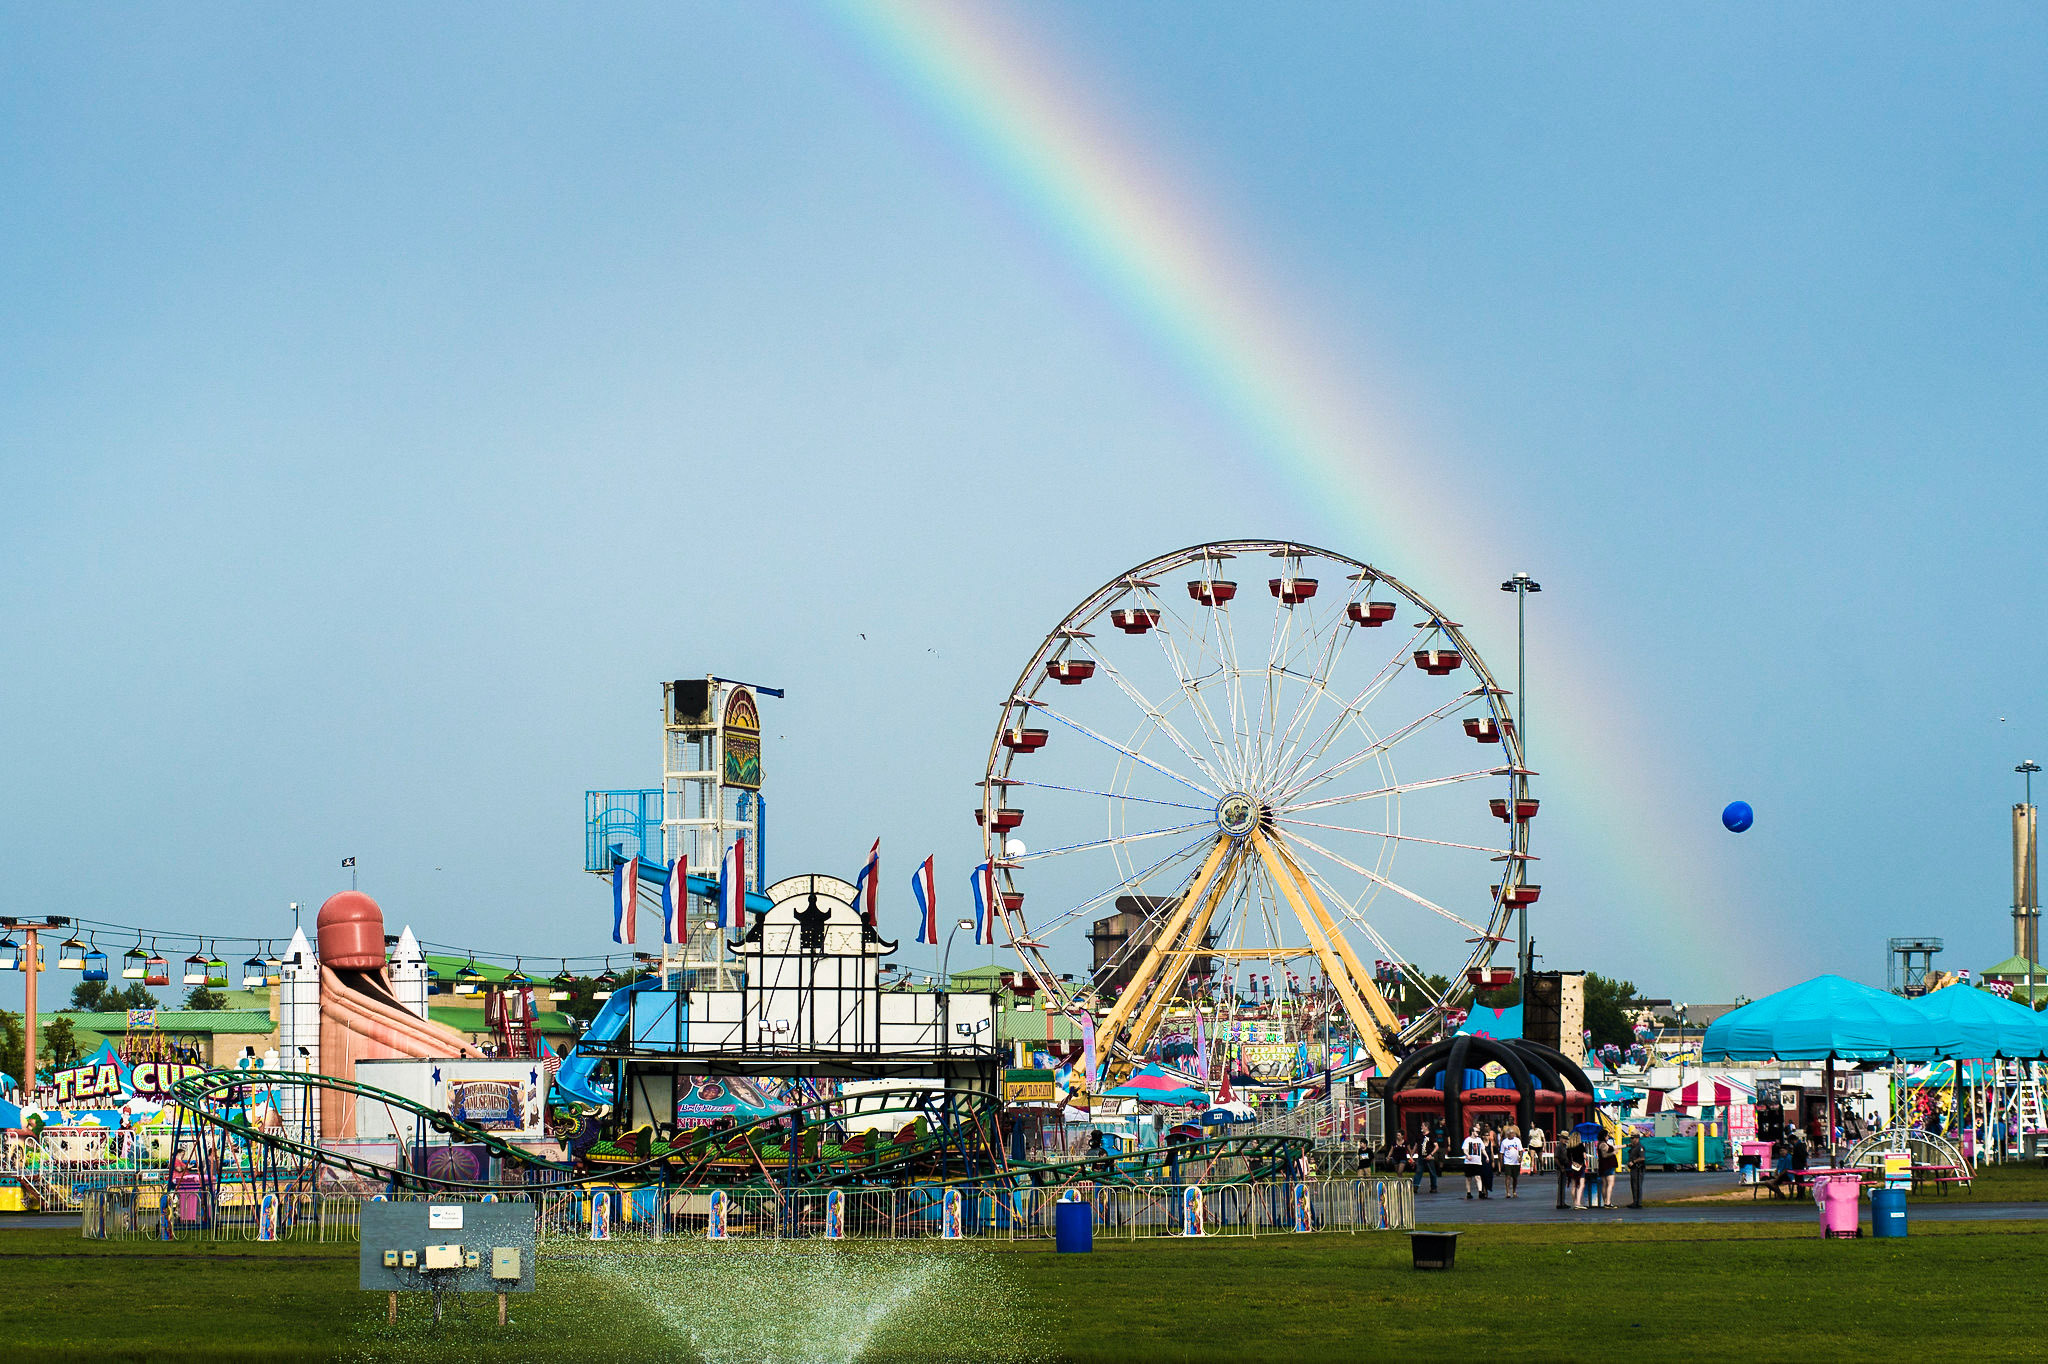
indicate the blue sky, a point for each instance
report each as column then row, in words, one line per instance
column 390, row 398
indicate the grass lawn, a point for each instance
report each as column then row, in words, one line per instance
column 1758, row 1291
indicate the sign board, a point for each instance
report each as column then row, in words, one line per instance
column 741, row 741
column 1029, row 1086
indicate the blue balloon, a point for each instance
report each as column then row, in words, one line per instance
column 1737, row 817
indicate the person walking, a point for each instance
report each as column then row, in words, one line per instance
column 1574, row 1164
column 1535, row 1149
column 1638, row 1163
column 1432, row 1156
column 1511, row 1153
column 1609, row 1163
column 1492, row 1162
column 1474, row 1151
column 1564, row 1174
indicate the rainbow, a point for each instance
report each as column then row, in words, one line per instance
column 1188, row 284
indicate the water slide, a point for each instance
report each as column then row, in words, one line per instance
column 577, row 1078
column 361, row 1018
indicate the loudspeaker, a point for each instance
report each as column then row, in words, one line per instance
column 689, row 702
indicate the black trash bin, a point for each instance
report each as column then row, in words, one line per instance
column 1434, row 1249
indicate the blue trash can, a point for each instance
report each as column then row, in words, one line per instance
column 1073, row 1227
column 1887, row 1212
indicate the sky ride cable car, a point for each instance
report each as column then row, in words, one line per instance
column 94, row 963
column 156, row 969
column 195, row 969
column 216, row 968
column 135, row 961
column 71, row 954
column 469, row 980
column 10, row 954
column 273, row 965
column 517, row 977
column 562, row 985
column 253, row 975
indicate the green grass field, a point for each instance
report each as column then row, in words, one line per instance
column 1539, row 1292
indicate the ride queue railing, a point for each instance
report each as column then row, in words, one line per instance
column 754, row 1213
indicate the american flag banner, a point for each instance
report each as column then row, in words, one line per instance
column 732, row 888
column 924, row 888
column 625, row 899
column 865, row 884
column 984, row 882
column 675, row 901
column 2002, row 988
column 550, row 1062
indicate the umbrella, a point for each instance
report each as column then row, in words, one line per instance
column 1157, row 1086
column 1990, row 1026
column 1590, row 1131
column 1830, row 1019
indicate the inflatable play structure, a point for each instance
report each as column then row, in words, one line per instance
column 343, row 1005
column 1537, row 1086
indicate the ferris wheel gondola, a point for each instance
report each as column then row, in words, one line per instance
column 1224, row 781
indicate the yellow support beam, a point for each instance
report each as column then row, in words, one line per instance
column 1119, row 1014
column 1371, row 991
column 1361, row 1014
column 1152, row 1010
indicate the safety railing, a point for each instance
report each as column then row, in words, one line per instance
column 918, row 1212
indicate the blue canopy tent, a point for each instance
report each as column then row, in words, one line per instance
column 1990, row 1026
column 1830, row 1019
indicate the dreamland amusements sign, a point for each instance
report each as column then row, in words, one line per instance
column 105, row 1077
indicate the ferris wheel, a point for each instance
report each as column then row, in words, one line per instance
column 1202, row 785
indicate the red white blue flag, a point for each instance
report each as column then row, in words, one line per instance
column 675, row 901
column 866, row 884
column 984, row 883
column 732, row 888
column 625, row 899
column 924, row 888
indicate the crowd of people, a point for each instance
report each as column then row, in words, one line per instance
column 1499, row 1158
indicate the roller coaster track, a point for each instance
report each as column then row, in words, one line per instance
column 951, row 1141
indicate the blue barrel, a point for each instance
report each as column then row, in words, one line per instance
column 1073, row 1227
column 1887, row 1212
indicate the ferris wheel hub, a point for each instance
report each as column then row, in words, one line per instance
column 1239, row 813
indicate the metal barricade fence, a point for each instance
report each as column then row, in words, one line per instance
column 916, row 1212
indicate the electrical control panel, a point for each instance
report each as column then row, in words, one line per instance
column 407, row 1247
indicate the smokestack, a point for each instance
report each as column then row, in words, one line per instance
column 2026, row 892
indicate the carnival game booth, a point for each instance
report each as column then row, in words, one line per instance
column 1538, row 1086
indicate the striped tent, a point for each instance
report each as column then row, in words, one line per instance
column 1701, row 1090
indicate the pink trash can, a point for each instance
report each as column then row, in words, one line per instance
column 1837, row 1196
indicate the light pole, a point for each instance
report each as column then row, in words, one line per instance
column 2025, row 911
column 1521, row 585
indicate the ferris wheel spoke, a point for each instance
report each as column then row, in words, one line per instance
column 1383, row 744
column 1315, row 689
column 1106, row 795
column 1128, row 883
column 1402, row 838
column 1351, row 710
column 1423, row 900
column 1401, row 788
column 1190, row 685
column 1116, row 841
column 1155, row 715
column 1135, row 756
